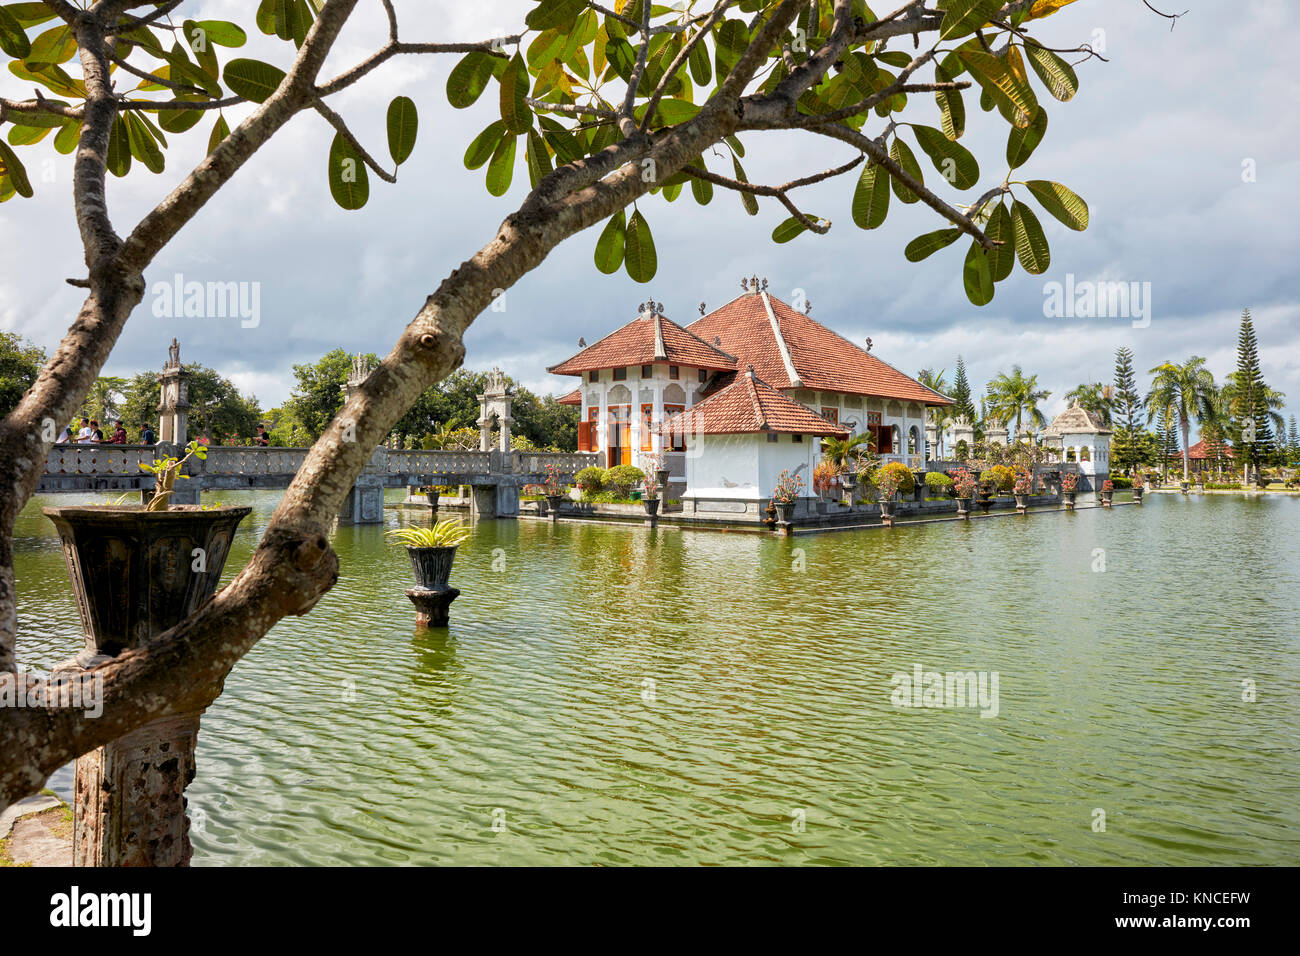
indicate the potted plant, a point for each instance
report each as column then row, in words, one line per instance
column 887, row 484
column 553, row 490
column 1137, row 489
column 1184, row 486
column 432, row 550
column 651, row 484
column 788, row 490
column 963, row 486
column 1069, row 487
column 1024, row 484
column 432, row 493
column 138, row 570
column 1107, row 490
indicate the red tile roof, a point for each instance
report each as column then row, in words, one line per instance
column 571, row 398
column 1203, row 449
column 821, row 358
column 636, row 344
column 748, row 405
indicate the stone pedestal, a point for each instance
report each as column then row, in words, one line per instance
column 130, row 797
column 432, row 607
column 364, row 504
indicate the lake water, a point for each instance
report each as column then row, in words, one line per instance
column 614, row 695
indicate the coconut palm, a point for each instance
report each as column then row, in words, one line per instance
column 1017, row 396
column 1094, row 397
column 936, row 416
column 1187, row 390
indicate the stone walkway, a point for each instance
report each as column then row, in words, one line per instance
column 36, row 831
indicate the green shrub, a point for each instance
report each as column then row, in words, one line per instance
column 1121, row 482
column 621, row 478
column 937, row 481
column 900, row 473
column 592, row 479
column 1000, row 477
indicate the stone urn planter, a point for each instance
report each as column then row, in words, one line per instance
column 135, row 574
column 985, row 501
column 651, row 506
column 1022, row 503
column 1068, row 498
column 887, row 512
column 850, row 483
column 1184, row 486
column 432, row 495
column 553, row 505
column 1106, row 498
column 963, row 508
column 432, row 566
column 1137, row 494
column 784, row 511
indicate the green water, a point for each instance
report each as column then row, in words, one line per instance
column 613, row 695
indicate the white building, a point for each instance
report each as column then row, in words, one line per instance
column 652, row 368
column 1080, row 437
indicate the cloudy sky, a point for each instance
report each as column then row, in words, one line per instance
column 1159, row 141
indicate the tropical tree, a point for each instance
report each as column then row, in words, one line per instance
column 1095, row 397
column 611, row 107
column 1249, row 396
column 845, row 454
column 104, row 400
column 961, row 394
column 936, row 415
column 1016, row 396
column 20, row 363
column 1186, row 393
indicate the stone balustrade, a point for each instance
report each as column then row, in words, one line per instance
column 98, row 459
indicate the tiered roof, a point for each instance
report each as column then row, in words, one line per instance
column 789, row 350
column 1076, row 420
column 647, row 339
column 746, row 406
column 1207, row 449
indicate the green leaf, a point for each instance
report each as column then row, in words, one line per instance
column 484, row 144
column 553, row 13
column 953, row 160
column 253, row 79
column 1022, row 142
column 14, row 171
column 670, row 112
column 639, row 249
column 952, row 110
column 748, row 200
column 118, row 159
column 966, row 16
column 1001, row 258
column 13, row 39
column 702, row 190
column 609, row 247
column 902, row 154
column 55, row 45
column 537, row 157
column 1057, row 75
column 348, row 176
column 927, row 245
column 1011, row 94
column 220, row 130
column 501, row 168
column 223, row 32
column 977, row 276
column 403, row 123
column 65, row 141
column 1031, row 244
column 547, row 46
column 871, row 197
column 788, row 229
column 200, row 44
column 621, row 56
column 469, row 78
column 514, row 89
column 1061, row 202
column 43, row 120
column 701, row 68
column 142, row 145
column 26, row 135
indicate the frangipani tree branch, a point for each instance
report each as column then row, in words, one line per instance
column 821, row 226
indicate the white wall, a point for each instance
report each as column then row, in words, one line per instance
column 746, row 467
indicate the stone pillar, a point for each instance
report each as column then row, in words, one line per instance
column 130, row 797
column 364, row 504
column 963, row 431
column 494, row 404
column 996, row 434
column 931, row 440
column 174, row 400
column 484, row 501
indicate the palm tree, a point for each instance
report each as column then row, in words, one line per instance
column 1094, row 397
column 1017, row 396
column 935, row 415
column 845, row 453
column 1187, row 390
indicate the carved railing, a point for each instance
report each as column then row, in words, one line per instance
column 252, row 460
column 569, row 463
column 98, row 459
column 417, row 461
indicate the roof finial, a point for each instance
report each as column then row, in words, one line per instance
column 868, row 343
column 582, row 342
column 701, row 308
column 754, row 281
column 765, row 284
column 749, row 369
column 744, row 284
column 807, row 306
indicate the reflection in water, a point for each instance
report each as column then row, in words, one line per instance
column 619, row 695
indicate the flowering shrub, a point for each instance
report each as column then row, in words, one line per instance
column 898, row 473
column 963, row 483
column 621, row 478
column 823, row 473
column 1070, row 483
column 1024, row 483
column 788, row 487
column 653, row 463
column 1108, row 485
column 999, row 477
column 553, row 485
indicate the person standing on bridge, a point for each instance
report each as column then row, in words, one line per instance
column 146, row 435
column 119, row 434
column 65, row 437
column 83, row 436
column 96, row 435
column 261, row 438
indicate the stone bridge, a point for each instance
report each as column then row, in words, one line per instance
column 496, row 477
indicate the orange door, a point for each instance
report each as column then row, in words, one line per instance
column 620, row 435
